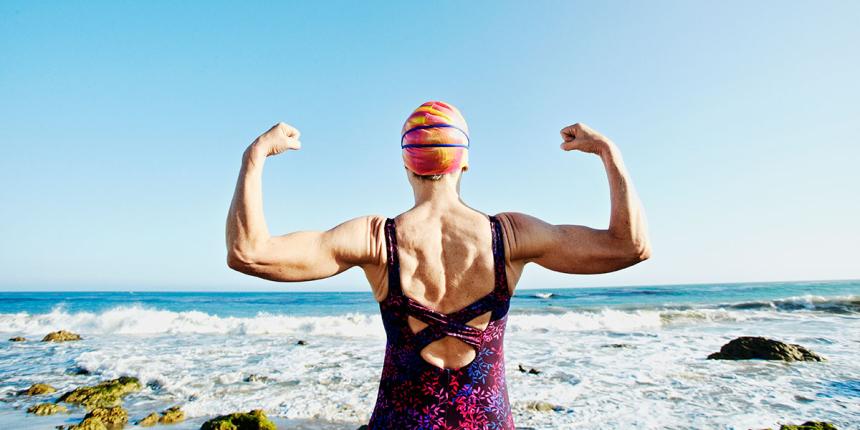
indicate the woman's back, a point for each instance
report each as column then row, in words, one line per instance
column 446, row 264
column 444, row 315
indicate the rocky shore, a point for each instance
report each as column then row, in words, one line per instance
column 103, row 402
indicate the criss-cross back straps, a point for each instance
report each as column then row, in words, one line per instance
column 440, row 325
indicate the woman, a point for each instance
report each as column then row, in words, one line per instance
column 442, row 272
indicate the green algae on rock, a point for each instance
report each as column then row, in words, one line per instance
column 46, row 409
column 749, row 348
column 61, row 336
column 37, row 389
column 114, row 417
column 253, row 420
column 149, row 421
column 809, row 425
column 172, row 415
column 106, row 394
column 91, row 423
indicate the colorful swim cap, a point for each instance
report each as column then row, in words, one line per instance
column 435, row 140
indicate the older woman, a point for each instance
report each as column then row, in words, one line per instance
column 442, row 272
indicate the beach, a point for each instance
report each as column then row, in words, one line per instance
column 628, row 357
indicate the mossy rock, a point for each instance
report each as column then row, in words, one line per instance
column 18, row 339
column 104, row 395
column 760, row 348
column 809, row 425
column 149, row 421
column 61, row 336
column 37, row 389
column 46, row 409
column 114, row 417
column 253, row 420
column 91, row 423
column 172, row 415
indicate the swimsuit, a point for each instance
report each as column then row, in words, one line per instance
column 414, row 394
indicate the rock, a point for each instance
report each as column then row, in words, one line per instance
column 363, row 427
column 256, row 378
column 61, row 336
column 809, row 425
column 301, row 342
column 37, row 389
column 106, row 394
column 114, row 417
column 747, row 347
column 172, row 415
column 618, row 345
column 46, row 409
column 542, row 407
column 149, row 421
column 78, row 370
column 18, row 339
column 253, row 420
column 531, row 371
column 88, row 424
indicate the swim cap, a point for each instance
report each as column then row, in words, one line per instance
column 435, row 139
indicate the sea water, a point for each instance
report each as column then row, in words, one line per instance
column 632, row 357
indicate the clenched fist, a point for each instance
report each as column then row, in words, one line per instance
column 580, row 137
column 278, row 139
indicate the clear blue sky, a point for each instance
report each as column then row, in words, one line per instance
column 122, row 125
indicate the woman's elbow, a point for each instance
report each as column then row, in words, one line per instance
column 635, row 252
column 645, row 254
column 640, row 252
column 240, row 260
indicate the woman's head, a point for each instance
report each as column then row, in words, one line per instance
column 435, row 140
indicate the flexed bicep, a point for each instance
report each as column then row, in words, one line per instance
column 579, row 249
column 565, row 248
column 311, row 255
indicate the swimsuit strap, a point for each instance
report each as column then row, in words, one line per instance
column 499, row 257
column 393, row 260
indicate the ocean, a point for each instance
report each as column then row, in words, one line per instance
column 609, row 358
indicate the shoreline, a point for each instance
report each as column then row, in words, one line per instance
column 613, row 368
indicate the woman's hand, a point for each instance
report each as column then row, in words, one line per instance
column 580, row 137
column 279, row 138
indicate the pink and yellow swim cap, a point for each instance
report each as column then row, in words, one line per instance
column 435, row 139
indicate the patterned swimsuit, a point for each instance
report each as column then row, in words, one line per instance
column 414, row 394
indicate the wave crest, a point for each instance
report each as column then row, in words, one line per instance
column 140, row 320
column 837, row 304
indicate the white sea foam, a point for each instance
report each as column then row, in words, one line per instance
column 133, row 320
column 603, row 368
column 137, row 320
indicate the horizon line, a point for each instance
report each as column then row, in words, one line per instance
column 318, row 290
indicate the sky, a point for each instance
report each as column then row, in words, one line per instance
column 122, row 126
